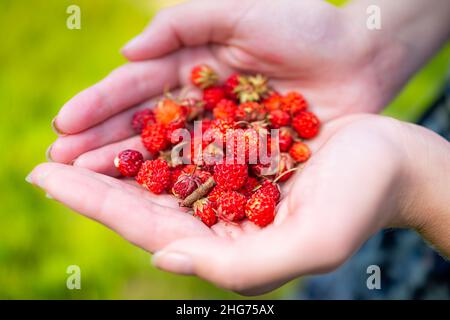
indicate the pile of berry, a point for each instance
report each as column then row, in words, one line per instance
column 243, row 107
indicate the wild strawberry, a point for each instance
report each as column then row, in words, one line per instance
column 154, row 138
column 205, row 211
column 129, row 162
column 215, row 194
column 294, row 102
column 249, row 187
column 172, row 127
column 203, row 76
column 270, row 189
column 217, row 130
column 193, row 169
column 230, row 176
column 231, row 206
column 193, row 108
column 251, row 88
column 250, row 111
column 300, row 152
column 175, row 172
column 273, row 102
column 242, row 145
column 225, row 109
column 212, row 96
column 154, row 175
column 185, row 185
column 306, row 124
column 285, row 166
column 279, row 118
column 285, row 139
column 230, row 86
column 167, row 111
column 260, row 209
column 141, row 119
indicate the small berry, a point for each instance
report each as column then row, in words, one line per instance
column 230, row 176
column 129, row 162
column 185, row 185
column 279, row 118
column 175, row 172
column 294, row 102
column 141, row 119
column 154, row 175
column 249, row 187
column 230, row 86
column 270, row 189
column 168, row 111
column 225, row 109
column 205, row 211
column 285, row 139
column 154, row 138
column 273, row 102
column 231, row 206
column 172, row 127
column 260, row 209
column 203, row 76
column 215, row 194
column 217, row 130
column 250, row 111
column 300, row 152
column 212, row 96
column 306, row 124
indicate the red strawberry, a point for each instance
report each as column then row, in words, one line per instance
column 242, row 145
column 141, row 119
column 175, row 172
column 203, row 76
column 300, row 152
column 285, row 139
column 215, row 194
column 306, row 124
column 231, row 206
column 294, row 102
column 154, row 138
column 185, row 185
column 212, row 96
column 279, row 118
column 168, row 111
column 230, row 176
column 217, row 130
column 260, row 209
column 225, row 109
column 230, row 86
column 249, row 187
column 154, row 175
column 273, row 102
column 205, row 211
column 129, row 162
column 270, row 189
column 250, row 111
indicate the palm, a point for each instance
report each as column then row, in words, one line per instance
column 320, row 217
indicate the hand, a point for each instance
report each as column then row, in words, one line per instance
column 309, row 46
column 367, row 173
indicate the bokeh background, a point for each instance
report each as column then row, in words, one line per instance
column 42, row 65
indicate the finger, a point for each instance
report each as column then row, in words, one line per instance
column 190, row 24
column 122, row 209
column 102, row 160
column 125, row 87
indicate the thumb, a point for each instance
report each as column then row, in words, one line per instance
column 189, row 24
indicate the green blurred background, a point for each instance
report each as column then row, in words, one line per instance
column 42, row 65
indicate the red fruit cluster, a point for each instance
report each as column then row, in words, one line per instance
column 227, row 179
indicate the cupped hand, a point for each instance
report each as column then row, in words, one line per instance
column 309, row 46
column 359, row 180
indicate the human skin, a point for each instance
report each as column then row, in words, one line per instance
column 342, row 68
column 367, row 173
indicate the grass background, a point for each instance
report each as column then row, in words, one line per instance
column 42, row 64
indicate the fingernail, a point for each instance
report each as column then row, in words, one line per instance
column 29, row 179
column 132, row 43
column 56, row 129
column 48, row 153
column 173, row 262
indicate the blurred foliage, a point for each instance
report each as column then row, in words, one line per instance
column 42, row 64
